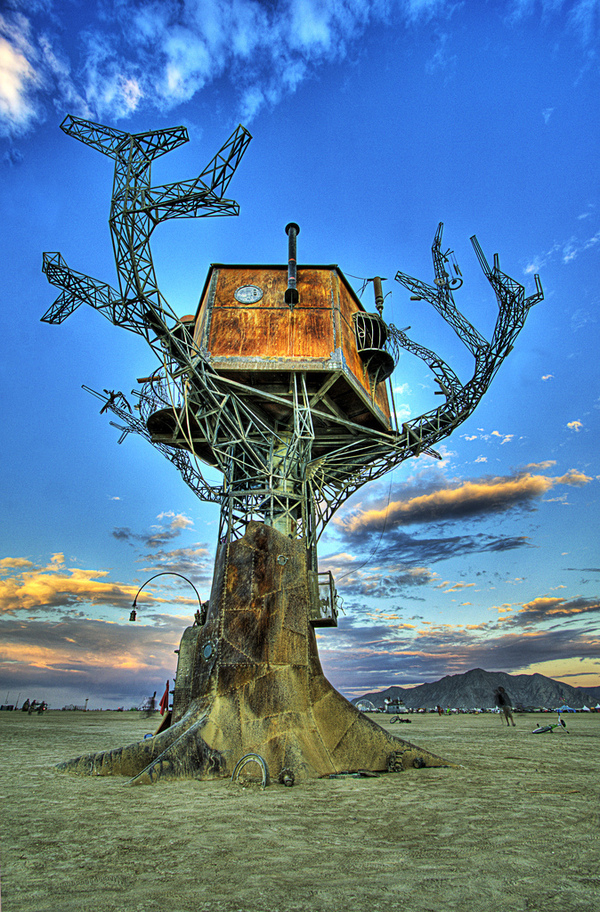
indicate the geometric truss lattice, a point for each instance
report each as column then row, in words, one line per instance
column 269, row 473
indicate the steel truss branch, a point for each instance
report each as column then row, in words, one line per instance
column 136, row 208
column 461, row 399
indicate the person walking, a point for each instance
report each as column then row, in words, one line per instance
column 503, row 703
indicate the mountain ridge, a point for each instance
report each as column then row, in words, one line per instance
column 475, row 689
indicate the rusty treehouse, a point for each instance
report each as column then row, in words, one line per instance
column 281, row 382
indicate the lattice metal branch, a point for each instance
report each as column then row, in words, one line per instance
column 136, row 208
column 462, row 399
column 271, row 471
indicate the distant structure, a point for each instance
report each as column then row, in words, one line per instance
column 365, row 706
column 280, row 381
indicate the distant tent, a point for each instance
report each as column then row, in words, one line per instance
column 565, row 709
column 585, row 709
column 366, row 706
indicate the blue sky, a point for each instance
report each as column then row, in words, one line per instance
column 372, row 122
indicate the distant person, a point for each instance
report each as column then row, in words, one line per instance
column 439, row 710
column 150, row 707
column 503, row 702
column 25, row 706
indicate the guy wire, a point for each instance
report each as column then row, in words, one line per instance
column 376, row 548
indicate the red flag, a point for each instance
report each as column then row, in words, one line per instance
column 164, row 703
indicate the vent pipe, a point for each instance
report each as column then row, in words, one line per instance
column 291, row 293
column 378, row 294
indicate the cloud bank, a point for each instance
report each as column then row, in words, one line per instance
column 56, row 590
column 359, row 658
column 54, row 586
column 64, row 661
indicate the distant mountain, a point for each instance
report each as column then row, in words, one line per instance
column 592, row 692
column 476, row 688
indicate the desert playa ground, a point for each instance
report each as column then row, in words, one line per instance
column 516, row 827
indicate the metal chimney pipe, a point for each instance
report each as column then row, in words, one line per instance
column 291, row 293
column 378, row 294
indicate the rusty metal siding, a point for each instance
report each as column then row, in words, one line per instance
column 269, row 329
column 319, row 329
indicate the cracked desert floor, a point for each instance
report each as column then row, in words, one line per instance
column 515, row 827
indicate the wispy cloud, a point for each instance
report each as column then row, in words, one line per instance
column 566, row 251
column 15, row 563
column 504, row 438
column 448, row 587
column 491, row 436
column 547, row 114
column 442, row 60
column 387, row 579
column 554, row 609
column 140, row 54
column 160, row 533
column 581, row 16
column 457, row 501
column 20, row 80
column 575, row 246
column 135, row 55
column 415, row 550
column 193, row 561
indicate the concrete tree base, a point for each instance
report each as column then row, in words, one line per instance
column 250, row 681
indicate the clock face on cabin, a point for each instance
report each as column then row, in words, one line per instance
column 248, row 294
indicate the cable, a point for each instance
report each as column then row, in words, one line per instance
column 362, row 279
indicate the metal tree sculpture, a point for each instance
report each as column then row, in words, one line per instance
column 289, row 457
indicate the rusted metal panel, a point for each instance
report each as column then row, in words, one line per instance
column 268, row 328
column 316, row 334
